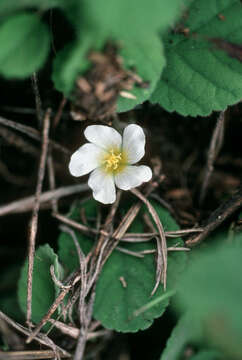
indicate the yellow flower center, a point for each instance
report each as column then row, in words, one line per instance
column 114, row 161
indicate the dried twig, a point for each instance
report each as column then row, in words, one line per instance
column 10, row 337
column 28, row 355
column 85, row 309
column 214, row 148
column 83, row 271
column 217, row 217
column 82, row 339
column 161, row 235
column 129, row 252
column 73, row 332
column 171, row 248
column 143, row 237
column 51, row 173
column 159, row 258
column 33, row 133
column 100, row 254
column 128, row 237
column 42, row 339
column 34, row 219
column 59, row 112
column 38, row 103
column 9, row 136
column 26, row 204
column 11, row 178
column 74, row 279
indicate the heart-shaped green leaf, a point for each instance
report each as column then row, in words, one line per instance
column 200, row 75
column 24, row 43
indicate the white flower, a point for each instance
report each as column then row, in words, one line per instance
column 110, row 158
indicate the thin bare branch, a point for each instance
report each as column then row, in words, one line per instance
column 65, row 329
column 128, row 237
column 28, row 355
column 160, row 230
column 34, row 220
column 54, row 306
column 57, row 281
column 38, row 102
column 51, row 173
column 225, row 210
column 129, row 252
column 159, row 259
column 59, row 112
column 11, row 137
column 27, row 204
column 171, row 248
column 83, row 271
column 33, row 133
column 42, row 339
column 12, row 178
column 214, row 148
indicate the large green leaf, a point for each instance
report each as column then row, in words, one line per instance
column 68, row 64
column 44, row 290
column 9, row 6
column 135, row 19
column 24, row 43
column 207, row 355
column 148, row 60
column 145, row 56
column 199, row 78
column 186, row 332
column 8, row 290
column 211, row 289
column 133, row 25
column 115, row 304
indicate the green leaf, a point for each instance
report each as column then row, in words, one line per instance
column 9, row 6
column 148, row 60
column 24, row 43
column 199, row 78
column 186, row 332
column 125, row 19
column 211, row 289
column 134, row 26
column 115, row 304
column 44, row 290
column 8, row 299
column 69, row 63
column 207, row 355
column 146, row 57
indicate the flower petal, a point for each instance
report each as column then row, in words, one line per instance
column 134, row 143
column 103, row 136
column 103, row 186
column 132, row 176
column 85, row 159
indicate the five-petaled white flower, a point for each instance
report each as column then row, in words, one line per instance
column 110, row 158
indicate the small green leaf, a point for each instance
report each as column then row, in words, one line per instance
column 186, row 332
column 116, row 304
column 24, row 43
column 199, row 78
column 211, row 290
column 44, row 290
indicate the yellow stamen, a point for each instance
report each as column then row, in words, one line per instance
column 113, row 161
